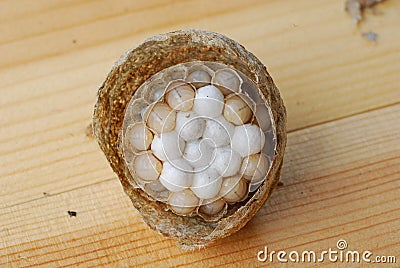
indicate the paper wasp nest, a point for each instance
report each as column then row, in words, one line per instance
column 194, row 127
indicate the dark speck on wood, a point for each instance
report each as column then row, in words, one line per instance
column 71, row 213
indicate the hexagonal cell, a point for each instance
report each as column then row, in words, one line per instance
column 134, row 112
column 138, row 137
column 212, row 210
column 239, row 108
column 159, row 117
column 250, row 88
column 180, row 95
column 157, row 191
column 183, row 203
column 157, row 105
column 199, row 75
column 270, row 144
column 227, row 80
column 263, row 117
column 154, row 90
column 234, row 189
column 254, row 186
column 145, row 167
column 214, row 66
column 175, row 72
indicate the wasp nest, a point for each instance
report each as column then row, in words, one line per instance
column 194, row 127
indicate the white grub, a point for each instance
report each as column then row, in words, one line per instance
column 227, row 162
column 237, row 109
column 209, row 102
column 147, row 167
column 176, row 175
column 183, row 202
column 160, row 118
column 189, row 125
column 254, row 168
column 199, row 75
column 248, row 139
column 202, row 157
column 218, row 131
column 199, row 154
column 156, row 190
column 134, row 111
column 179, row 95
column 168, row 146
column 228, row 79
column 154, row 90
column 233, row 189
column 211, row 207
column 206, row 184
column 138, row 136
column 174, row 73
column 263, row 117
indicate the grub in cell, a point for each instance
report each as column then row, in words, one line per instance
column 212, row 130
column 72, row 213
column 201, row 142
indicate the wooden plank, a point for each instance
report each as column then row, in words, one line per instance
column 91, row 31
column 340, row 178
column 76, row 14
column 12, row 10
column 341, row 181
column 50, row 88
column 317, row 51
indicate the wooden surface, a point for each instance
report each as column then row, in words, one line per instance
column 342, row 166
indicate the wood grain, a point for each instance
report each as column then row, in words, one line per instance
column 341, row 173
column 50, row 97
column 326, row 195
